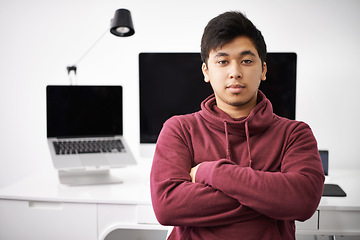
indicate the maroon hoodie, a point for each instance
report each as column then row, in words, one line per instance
column 257, row 175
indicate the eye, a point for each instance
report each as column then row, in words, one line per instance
column 222, row 62
column 247, row 61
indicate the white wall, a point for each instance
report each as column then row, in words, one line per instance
column 39, row 38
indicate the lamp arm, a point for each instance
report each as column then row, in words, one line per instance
column 73, row 67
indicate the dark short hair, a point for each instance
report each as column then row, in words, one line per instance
column 224, row 28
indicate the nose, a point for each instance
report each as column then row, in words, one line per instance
column 235, row 71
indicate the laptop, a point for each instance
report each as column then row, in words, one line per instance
column 85, row 133
column 330, row 189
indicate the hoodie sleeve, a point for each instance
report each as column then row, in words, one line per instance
column 179, row 202
column 291, row 194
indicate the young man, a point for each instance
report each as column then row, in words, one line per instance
column 235, row 170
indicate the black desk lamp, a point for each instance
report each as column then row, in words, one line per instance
column 121, row 26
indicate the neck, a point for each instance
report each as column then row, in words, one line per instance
column 235, row 112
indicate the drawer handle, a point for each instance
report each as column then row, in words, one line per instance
column 46, row 205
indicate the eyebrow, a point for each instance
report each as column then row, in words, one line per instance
column 248, row 52
column 243, row 53
column 221, row 54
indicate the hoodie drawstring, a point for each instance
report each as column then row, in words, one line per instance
column 248, row 141
column 228, row 153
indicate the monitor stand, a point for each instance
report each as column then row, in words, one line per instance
column 87, row 177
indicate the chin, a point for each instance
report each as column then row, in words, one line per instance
column 239, row 101
column 237, row 104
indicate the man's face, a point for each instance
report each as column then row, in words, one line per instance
column 235, row 72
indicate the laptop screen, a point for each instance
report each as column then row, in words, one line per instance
column 84, row 111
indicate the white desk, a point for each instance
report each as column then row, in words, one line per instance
column 40, row 208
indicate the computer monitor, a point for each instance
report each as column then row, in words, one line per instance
column 173, row 84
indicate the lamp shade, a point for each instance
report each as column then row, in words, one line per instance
column 121, row 24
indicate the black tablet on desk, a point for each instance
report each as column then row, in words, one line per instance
column 333, row 190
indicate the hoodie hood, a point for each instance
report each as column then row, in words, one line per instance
column 258, row 120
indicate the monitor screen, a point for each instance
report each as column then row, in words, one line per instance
column 173, row 84
column 280, row 84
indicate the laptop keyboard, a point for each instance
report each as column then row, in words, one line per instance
column 88, row 146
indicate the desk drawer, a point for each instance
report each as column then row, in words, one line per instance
column 47, row 220
column 146, row 214
column 127, row 213
column 310, row 224
column 339, row 221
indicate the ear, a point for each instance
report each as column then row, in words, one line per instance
column 264, row 71
column 205, row 72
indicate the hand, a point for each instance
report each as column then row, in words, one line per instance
column 193, row 173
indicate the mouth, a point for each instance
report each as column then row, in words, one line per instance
column 235, row 87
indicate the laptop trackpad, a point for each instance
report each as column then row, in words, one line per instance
column 94, row 160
